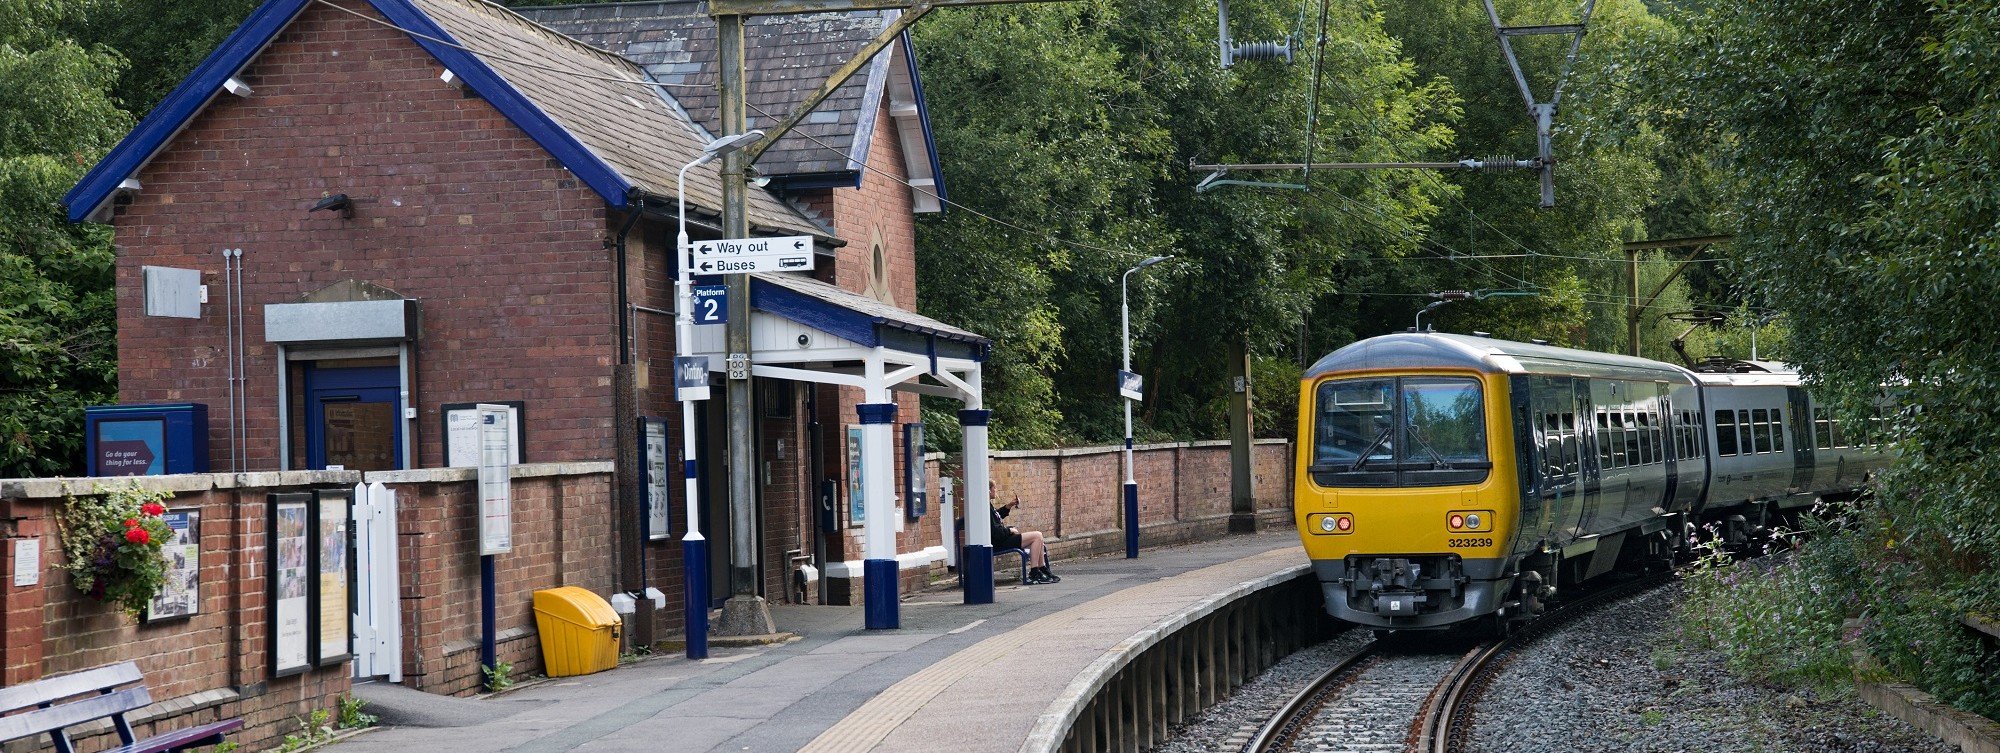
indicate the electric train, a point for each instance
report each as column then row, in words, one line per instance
column 1448, row 479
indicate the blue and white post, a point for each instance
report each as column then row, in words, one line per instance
column 694, row 548
column 976, row 562
column 878, row 473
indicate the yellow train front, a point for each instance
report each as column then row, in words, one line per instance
column 1446, row 479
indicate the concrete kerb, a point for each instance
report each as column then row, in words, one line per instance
column 1053, row 726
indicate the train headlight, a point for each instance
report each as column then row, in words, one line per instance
column 1472, row 521
column 1469, row 521
column 1334, row 524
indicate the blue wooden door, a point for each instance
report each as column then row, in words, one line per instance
column 353, row 418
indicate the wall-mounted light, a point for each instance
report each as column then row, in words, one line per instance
column 338, row 203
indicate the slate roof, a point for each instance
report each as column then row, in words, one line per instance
column 786, row 57
column 616, row 136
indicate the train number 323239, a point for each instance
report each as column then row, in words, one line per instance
column 1465, row 543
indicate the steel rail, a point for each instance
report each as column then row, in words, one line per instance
column 1443, row 724
column 1281, row 726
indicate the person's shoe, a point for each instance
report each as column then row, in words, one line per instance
column 1041, row 575
column 1050, row 575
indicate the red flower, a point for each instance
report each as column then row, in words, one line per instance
column 131, row 522
column 138, row 536
column 154, row 509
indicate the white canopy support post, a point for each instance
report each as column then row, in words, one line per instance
column 879, row 569
column 977, row 560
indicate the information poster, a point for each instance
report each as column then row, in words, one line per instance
column 180, row 595
column 656, row 485
column 496, row 501
column 330, row 563
column 290, row 583
column 856, row 489
column 461, row 432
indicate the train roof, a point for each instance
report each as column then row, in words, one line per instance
column 1412, row 350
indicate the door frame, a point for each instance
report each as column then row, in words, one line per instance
column 406, row 424
column 373, row 384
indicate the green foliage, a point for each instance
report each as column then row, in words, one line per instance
column 111, row 545
column 499, row 677
column 1858, row 145
column 354, row 714
column 163, row 39
column 56, row 301
column 1771, row 622
column 315, row 730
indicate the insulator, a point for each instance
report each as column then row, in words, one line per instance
column 1263, row 51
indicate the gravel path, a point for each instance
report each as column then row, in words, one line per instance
column 1612, row 681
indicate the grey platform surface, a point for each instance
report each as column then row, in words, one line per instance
column 955, row 677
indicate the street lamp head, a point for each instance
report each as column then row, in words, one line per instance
column 1152, row 261
column 729, row 144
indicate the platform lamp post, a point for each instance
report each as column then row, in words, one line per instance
column 694, row 548
column 1124, row 374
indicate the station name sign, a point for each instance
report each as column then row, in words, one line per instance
column 744, row 255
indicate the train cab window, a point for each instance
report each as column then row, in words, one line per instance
column 1725, row 433
column 1409, row 431
column 1760, row 429
column 1777, row 430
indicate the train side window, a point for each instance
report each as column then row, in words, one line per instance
column 1725, row 433
column 1634, row 455
column 1700, row 433
column 1573, row 447
column 1760, row 429
column 1618, row 456
column 1649, row 452
column 1604, row 441
column 1744, row 429
column 1777, row 430
column 1822, row 434
column 1659, row 436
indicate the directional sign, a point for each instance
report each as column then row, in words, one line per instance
column 711, row 304
column 743, row 255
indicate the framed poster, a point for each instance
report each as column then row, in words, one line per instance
column 461, row 432
column 332, row 628
column 180, row 595
column 856, row 490
column 290, row 584
column 916, row 483
column 496, row 489
column 653, row 444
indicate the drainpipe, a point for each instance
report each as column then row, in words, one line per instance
column 625, row 473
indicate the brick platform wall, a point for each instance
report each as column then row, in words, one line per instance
column 454, row 207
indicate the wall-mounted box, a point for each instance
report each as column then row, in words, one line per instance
column 146, row 440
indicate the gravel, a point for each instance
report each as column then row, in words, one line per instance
column 1612, row 681
column 1615, row 680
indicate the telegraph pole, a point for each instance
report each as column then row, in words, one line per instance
column 746, row 613
column 1635, row 306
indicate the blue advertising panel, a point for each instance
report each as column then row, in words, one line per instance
column 146, row 440
column 131, row 448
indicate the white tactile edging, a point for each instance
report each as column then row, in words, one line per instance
column 1055, row 722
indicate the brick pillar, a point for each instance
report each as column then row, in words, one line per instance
column 21, row 619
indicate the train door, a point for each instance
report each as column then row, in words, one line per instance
column 1669, row 440
column 1800, row 424
column 1558, row 456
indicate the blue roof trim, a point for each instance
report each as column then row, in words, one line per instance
column 855, row 326
column 183, row 103
column 269, row 20
column 924, row 117
column 836, row 320
column 559, row 142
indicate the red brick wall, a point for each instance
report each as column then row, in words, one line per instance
column 217, row 660
column 455, row 207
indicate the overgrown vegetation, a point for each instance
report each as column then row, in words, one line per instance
column 1857, row 145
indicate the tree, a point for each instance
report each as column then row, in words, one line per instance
column 1860, row 146
column 56, row 301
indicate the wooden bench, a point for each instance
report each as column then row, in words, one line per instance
column 58, row 703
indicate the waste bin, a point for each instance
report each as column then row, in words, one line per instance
column 579, row 631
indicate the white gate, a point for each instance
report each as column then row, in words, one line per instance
column 378, row 611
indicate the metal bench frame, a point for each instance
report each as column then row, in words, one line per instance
column 96, row 695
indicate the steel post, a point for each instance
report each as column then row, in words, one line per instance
column 977, row 559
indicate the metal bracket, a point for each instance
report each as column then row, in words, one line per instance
column 1542, row 112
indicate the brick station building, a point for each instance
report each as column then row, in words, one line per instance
column 481, row 172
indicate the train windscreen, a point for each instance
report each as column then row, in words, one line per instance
column 1406, row 431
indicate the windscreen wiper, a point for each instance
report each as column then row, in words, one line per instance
column 1368, row 451
column 1437, row 460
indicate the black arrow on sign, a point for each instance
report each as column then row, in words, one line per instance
column 798, row 244
column 706, row 266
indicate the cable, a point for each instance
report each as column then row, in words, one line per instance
column 515, row 61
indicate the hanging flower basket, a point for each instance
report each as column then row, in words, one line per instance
column 111, row 543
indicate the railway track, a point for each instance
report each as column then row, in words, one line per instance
column 1398, row 695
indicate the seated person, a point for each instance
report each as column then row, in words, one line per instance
column 1008, row 537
